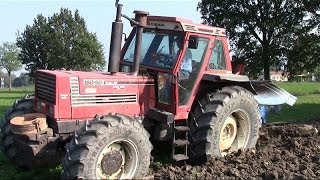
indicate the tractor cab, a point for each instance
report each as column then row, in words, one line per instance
column 173, row 51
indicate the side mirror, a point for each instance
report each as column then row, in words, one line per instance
column 193, row 42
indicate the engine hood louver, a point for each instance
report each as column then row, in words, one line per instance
column 46, row 87
column 78, row 99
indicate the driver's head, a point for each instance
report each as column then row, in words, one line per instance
column 179, row 42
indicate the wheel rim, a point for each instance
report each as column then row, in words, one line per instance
column 235, row 132
column 118, row 160
column 228, row 133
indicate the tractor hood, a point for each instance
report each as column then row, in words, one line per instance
column 101, row 82
column 82, row 95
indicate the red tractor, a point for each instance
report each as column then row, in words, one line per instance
column 171, row 81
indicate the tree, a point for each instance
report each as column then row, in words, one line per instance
column 60, row 41
column 305, row 54
column 22, row 80
column 316, row 73
column 262, row 31
column 9, row 59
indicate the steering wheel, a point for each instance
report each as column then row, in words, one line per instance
column 164, row 59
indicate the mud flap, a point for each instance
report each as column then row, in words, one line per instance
column 269, row 94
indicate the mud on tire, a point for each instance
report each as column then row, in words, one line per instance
column 222, row 122
column 113, row 146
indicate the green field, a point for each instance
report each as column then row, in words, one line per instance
column 306, row 107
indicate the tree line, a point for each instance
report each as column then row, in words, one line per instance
column 283, row 34
column 56, row 42
column 264, row 34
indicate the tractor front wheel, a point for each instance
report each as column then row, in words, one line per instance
column 7, row 145
column 18, row 149
column 223, row 122
column 111, row 147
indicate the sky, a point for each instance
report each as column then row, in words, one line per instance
column 98, row 14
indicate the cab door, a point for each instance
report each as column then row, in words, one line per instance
column 189, row 73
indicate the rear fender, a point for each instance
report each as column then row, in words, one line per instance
column 264, row 92
column 269, row 94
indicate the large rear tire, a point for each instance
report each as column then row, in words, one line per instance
column 111, row 147
column 223, row 122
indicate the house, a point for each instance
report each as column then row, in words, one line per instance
column 278, row 76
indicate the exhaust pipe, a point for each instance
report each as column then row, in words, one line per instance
column 141, row 19
column 115, row 43
column 116, row 38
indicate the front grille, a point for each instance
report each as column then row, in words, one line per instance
column 46, row 87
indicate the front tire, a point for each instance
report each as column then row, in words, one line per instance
column 18, row 149
column 114, row 146
column 8, row 147
column 223, row 122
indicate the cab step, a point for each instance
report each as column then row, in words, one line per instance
column 180, row 157
column 181, row 142
column 182, row 128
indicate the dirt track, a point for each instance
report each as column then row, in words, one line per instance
column 283, row 151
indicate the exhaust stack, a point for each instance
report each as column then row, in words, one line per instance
column 116, row 38
column 141, row 19
column 115, row 43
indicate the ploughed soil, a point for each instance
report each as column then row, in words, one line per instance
column 283, row 151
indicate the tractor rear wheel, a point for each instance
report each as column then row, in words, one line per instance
column 110, row 147
column 223, row 122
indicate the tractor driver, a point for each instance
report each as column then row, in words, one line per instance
column 184, row 73
column 164, row 60
column 186, row 64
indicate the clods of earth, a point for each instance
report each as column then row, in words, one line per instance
column 283, row 151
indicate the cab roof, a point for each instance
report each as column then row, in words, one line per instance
column 181, row 24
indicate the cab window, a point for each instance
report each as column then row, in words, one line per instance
column 157, row 49
column 189, row 69
column 217, row 59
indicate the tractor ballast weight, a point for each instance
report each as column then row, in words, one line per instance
column 172, row 80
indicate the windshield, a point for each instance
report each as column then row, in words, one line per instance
column 157, row 50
